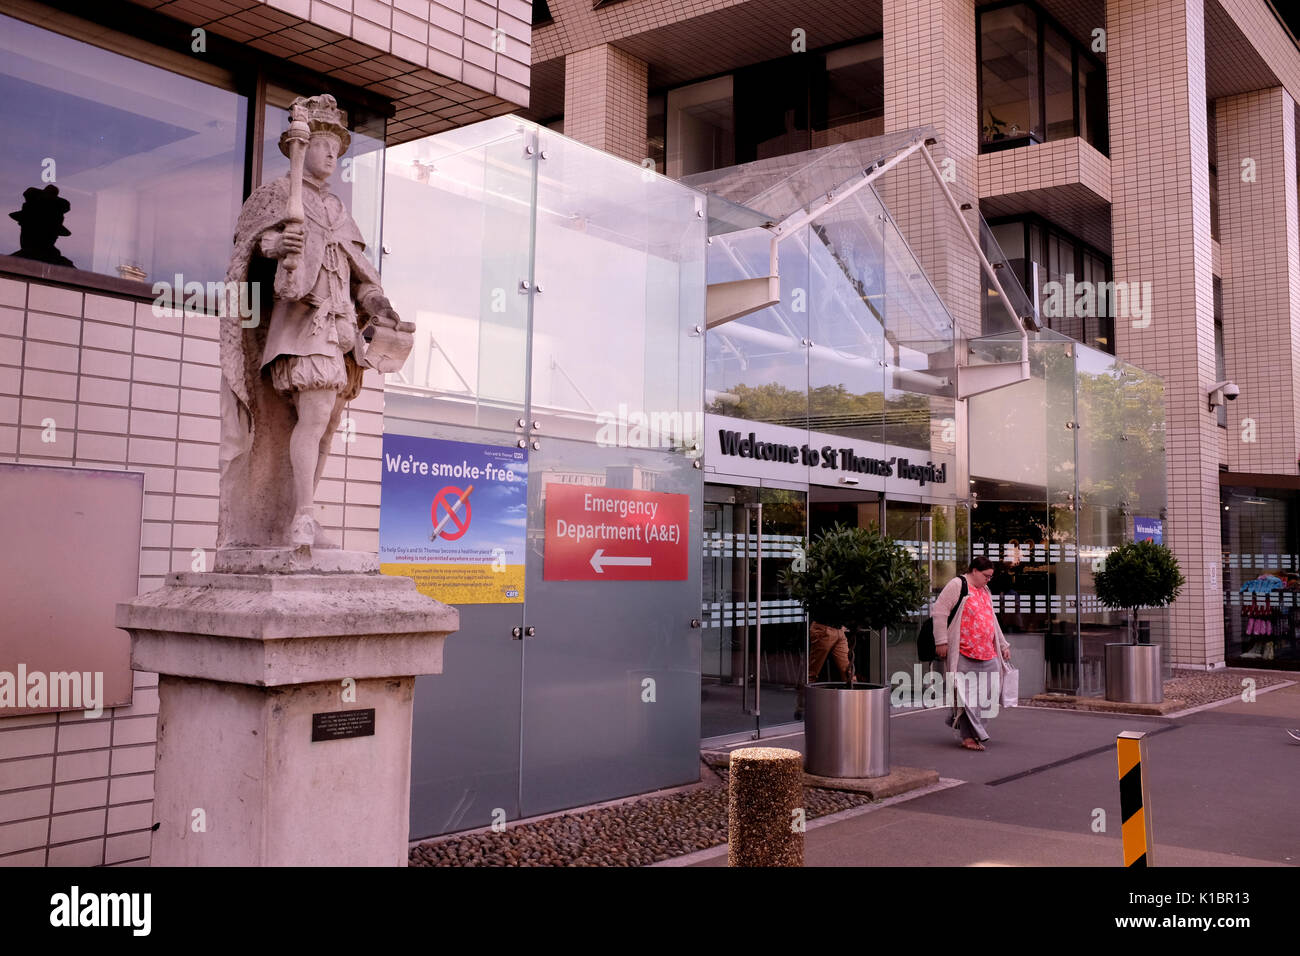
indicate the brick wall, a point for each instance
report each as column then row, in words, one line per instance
column 605, row 101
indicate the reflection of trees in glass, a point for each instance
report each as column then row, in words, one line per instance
column 1125, row 416
column 784, row 511
column 902, row 420
column 1121, row 414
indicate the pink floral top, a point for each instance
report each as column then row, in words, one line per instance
column 978, row 630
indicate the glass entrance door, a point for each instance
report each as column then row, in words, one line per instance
column 755, row 651
column 933, row 533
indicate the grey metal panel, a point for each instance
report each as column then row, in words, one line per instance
column 71, row 554
column 587, row 734
column 465, row 733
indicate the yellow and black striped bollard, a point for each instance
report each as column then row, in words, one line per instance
column 1134, row 809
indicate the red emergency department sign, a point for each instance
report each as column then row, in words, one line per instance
column 614, row 534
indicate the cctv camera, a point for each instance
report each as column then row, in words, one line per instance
column 1221, row 391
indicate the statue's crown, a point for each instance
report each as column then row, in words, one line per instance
column 322, row 115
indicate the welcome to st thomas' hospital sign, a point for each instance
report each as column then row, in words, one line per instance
column 736, row 446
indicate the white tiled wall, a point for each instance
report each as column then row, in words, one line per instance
column 128, row 389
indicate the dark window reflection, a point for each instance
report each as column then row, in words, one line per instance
column 1064, row 266
column 776, row 108
column 40, row 225
column 1037, row 83
column 149, row 162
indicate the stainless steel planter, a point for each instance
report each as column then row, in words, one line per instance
column 847, row 731
column 1133, row 673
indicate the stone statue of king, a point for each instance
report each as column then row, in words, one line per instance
column 286, row 379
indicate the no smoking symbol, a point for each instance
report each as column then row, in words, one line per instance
column 449, row 521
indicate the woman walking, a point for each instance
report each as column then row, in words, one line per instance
column 975, row 634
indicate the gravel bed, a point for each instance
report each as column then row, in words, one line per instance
column 1202, row 687
column 636, row 833
column 1206, row 687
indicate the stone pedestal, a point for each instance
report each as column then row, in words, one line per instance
column 252, row 666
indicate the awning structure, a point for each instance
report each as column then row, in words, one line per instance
column 826, row 207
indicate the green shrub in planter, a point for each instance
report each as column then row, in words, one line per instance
column 857, row 577
column 1140, row 574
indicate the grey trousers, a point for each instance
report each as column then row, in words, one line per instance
column 968, row 723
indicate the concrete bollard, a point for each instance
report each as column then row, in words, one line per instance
column 765, row 812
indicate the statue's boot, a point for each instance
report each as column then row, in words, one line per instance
column 306, row 532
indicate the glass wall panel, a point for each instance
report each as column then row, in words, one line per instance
column 460, row 230
column 612, row 237
column 553, row 694
column 757, row 365
column 920, row 423
column 931, row 533
column 147, row 164
column 846, row 391
column 1005, row 245
column 1061, row 417
column 1070, row 276
column 1105, row 499
column 1011, row 520
column 1143, row 470
column 1061, row 466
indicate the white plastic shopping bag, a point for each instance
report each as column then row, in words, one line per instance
column 1010, row 686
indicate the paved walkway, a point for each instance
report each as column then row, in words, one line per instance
column 1223, row 785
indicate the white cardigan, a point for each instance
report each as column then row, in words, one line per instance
column 943, row 634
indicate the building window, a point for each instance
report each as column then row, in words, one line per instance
column 1008, row 40
column 776, row 108
column 656, row 129
column 1220, row 360
column 701, row 127
column 148, row 164
column 1074, row 280
column 1036, row 82
column 1212, row 138
column 850, row 102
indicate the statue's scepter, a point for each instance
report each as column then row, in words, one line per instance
column 298, row 136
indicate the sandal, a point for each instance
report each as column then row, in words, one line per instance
column 971, row 743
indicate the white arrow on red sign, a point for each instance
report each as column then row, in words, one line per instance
column 599, row 559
